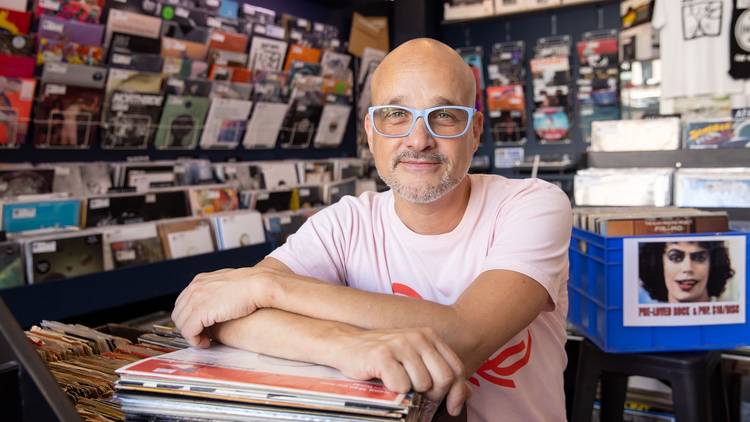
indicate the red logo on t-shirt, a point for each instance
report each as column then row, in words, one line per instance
column 491, row 370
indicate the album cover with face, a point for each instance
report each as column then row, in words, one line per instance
column 66, row 256
column 300, row 125
column 188, row 87
column 131, row 245
column 315, row 172
column 11, row 265
column 135, row 208
column 74, row 75
column 264, row 125
column 552, row 125
column 266, row 54
column 16, row 99
column 16, row 45
column 25, row 181
column 132, row 121
column 132, row 23
column 225, row 123
column 96, row 178
column 89, row 11
column 333, row 121
column 181, row 122
column 334, row 191
column 212, row 200
column 238, row 229
column 15, row 22
column 186, row 238
column 67, row 117
column 35, row 215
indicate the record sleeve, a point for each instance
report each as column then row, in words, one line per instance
column 60, row 51
column 551, row 79
column 346, row 168
column 16, row 66
column 25, row 181
column 79, row 10
column 238, row 229
column 67, row 116
column 11, row 265
column 181, row 122
column 131, row 23
column 96, row 178
column 175, row 47
column 16, row 45
column 186, row 238
column 135, row 208
column 334, row 191
column 231, row 90
column 552, row 124
column 281, row 225
column 186, row 31
column 67, row 180
column 15, row 22
column 132, row 245
column 58, row 29
column 130, row 43
column 335, row 64
column 301, row 53
column 64, row 256
column 225, row 123
column 265, row 201
column 128, row 80
column 36, row 215
column 16, row 99
column 188, row 87
column 333, row 122
column 74, row 75
column 300, row 124
column 315, row 172
column 212, row 200
column 266, row 54
column 133, row 120
column 223, row 40
column 264, row 125
column 279, row 174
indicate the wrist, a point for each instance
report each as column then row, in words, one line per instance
column 337, row 340
column 266, row 290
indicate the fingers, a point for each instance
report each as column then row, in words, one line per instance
column 394, row 376
column 417, row 369
column 457, row 396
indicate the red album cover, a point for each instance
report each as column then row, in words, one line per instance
column 15, row 23
column 220, row 40
column 594, row 52
column 80, row 10
column 67, row 116
column 16, row 99
column 16, row 66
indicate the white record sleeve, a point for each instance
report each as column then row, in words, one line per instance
column 264, row 125
column 333, row 122
column 266, row 54
column 239, row 229
column 280, row 174
column 225, row 123
column 191, row 242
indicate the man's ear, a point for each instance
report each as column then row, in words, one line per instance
column 478, row 129
column 368, row 131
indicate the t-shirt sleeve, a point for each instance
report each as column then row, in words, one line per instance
column 317, row 249
column 532, row 235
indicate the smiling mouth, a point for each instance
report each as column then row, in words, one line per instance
column 687, row 284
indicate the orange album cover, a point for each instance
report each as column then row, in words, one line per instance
column 302, row 54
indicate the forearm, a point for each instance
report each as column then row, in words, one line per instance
column 282, row 334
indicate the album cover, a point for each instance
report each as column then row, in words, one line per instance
column 96, row 179
column 17, row 66
column 148, row 176
column 11, row 265
column 64, row 256
column 316, row 172
column 227, row 58
column 131, row 43
column 506, row 65
column 280, row 225
column 299, row 125
column 279, row 174
column 67, row 180
column 135, row 208
column 225, row 123
column 230, row 90
column 257, row 13
column 229, row 9
column 303, row 69
column 146, row 63
column 146, row 7
column 82, row 33
column 74, row 74
column 26, row 216
column 266, row 54
column 212, row 200
column 712, row 134
column 238, row 229
column 181, row 122
column 16, row 45
column 67, row 52
column 223, row 40
column 187, row 32
column 25, row 181
column 333, row 121
column 506, row 108
column 186, row 238
column 194, row 172
column 335, row 64
column 334, row 191
column 264, row 125
column 175, row 47
column 230, row 73
column 15, row 22
column 133, row 119
column 301, row 53
column 132, row 245
column 131, row 23
column 551, row 78
column 265, row 201
column 346, row 168
column 67, row 116
column 78, row 10
column 552, row 125
column 16, row 99
column 127, row 80
column 473, row 57
column 188, row 87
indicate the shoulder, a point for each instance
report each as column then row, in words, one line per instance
column 508, row 194
column 354, row 208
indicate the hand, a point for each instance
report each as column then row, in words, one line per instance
column 219, row 296
column 405, row 359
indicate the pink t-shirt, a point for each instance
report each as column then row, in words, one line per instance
column 518, row 225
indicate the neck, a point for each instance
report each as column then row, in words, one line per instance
column 437, row 217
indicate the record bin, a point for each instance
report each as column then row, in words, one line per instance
column 596, row 293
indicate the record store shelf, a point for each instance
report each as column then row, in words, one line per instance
column 677, row 158
column 63, row 299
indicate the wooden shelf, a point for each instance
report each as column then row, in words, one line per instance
column 63, row 299
column 524, row 12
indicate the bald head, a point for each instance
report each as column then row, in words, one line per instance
column 423, row 64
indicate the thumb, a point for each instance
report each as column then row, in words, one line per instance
column 457, row 396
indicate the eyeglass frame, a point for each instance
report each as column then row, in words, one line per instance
column 423, row 113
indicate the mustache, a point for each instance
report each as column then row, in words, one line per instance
column 419, row 156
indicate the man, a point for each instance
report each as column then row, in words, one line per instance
column 448, row 283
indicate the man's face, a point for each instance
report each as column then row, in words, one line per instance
column 418, row 167
column 686, row 271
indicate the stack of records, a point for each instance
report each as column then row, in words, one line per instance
column 221, row 383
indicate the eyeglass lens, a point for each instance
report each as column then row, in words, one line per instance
column 395, row 121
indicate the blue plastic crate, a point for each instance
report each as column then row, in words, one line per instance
column 595, row 292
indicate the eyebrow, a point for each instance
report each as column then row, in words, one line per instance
column 436, row 101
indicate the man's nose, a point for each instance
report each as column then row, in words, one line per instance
column 420, row 139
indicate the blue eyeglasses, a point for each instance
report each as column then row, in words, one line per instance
column 393, row 121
